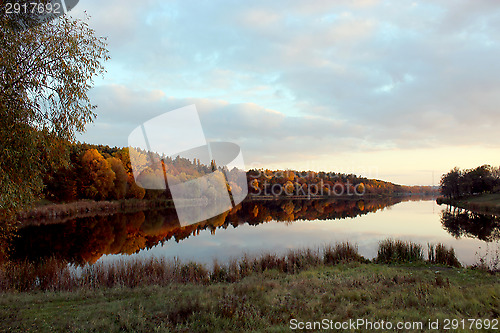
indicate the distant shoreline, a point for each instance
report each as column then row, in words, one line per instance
column 483, row 203
column 61, row 212
column 253, row 197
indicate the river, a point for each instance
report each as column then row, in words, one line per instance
column 263, row 226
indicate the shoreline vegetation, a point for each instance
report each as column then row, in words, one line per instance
column 47, row 74
column 57, row 275
column 486, row 203
column 257, row 293
column 47, row 212
column 476, row 189
column 266, row 302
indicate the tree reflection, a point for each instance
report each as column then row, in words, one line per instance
column 463, row 223
column 85, row 240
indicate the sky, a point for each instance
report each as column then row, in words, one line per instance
column 401, row 91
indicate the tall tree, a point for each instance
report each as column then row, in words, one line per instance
column 450, row 183
column 45, row 74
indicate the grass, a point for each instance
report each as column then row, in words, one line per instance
column 265, row 301
column 488, row 203
column 398, row 251
column 56, row 275
column 486, row 198
column 261, row 293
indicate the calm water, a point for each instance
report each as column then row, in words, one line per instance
column 263, row 227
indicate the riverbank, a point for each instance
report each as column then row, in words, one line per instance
column 483, row 203
column 49, row 212
column 269, row 301
column 265, row 293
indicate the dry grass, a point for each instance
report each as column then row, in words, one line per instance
column 486, row 203
column 61, row 212
column 55, row 275
column 264, row 302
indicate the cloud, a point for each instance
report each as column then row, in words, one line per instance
column 122, row 109
column 305, row 78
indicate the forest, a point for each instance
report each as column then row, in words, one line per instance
column 463, row 183
column 100, row 172
column 312, row 183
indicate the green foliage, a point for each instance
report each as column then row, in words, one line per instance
column 89, row 175
column 45, row 74
column 119, row 189
column 133, row 190
column 459, row 183
column 341, row 253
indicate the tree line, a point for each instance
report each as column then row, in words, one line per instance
column 100, row 172
column 462, row 183
column 312, row 183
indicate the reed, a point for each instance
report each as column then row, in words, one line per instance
column 341, row 253
column 56, row 275
column 440, row 254
column 392, row 251
column 53, row 274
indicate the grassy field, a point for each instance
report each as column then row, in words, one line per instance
column 270, row 293
column 487, row 200
column 483, row 203
column 267, row 301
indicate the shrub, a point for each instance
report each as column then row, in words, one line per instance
column 341, row 253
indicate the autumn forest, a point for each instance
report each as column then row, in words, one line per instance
column 103, row 173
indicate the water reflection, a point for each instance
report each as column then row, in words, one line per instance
column 85, row 240
column 463, row 223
